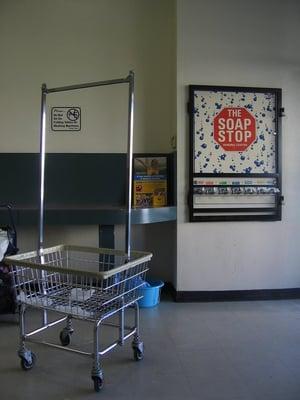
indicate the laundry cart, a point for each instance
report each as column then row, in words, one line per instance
column 85, row 283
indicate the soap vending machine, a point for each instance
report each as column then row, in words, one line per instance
column 235, row 164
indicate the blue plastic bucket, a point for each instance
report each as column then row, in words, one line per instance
column 151, row 293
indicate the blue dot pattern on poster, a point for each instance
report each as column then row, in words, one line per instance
column 210, row 157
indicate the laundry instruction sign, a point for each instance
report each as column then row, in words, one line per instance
column 234, row 129
column 65, row 118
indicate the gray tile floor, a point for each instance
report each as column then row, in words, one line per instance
column 207, row 351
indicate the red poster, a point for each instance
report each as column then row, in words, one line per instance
column 234, row 129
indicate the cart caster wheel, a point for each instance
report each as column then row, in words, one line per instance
column 27, row 365
column 65, row 338
column 98, row 383
column 138, row 354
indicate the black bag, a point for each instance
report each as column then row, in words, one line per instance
column 7, row 293
column 11, row 232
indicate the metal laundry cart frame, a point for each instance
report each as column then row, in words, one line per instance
column 133, row 265
column 128, row 80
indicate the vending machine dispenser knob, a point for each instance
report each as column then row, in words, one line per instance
column 223, row 190
column 237, row 190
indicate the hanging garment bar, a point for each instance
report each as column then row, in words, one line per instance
column 130, row 80
column 88, row 85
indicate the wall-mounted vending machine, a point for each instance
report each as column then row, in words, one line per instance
column 235, row 162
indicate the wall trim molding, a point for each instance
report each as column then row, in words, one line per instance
column 234, row 295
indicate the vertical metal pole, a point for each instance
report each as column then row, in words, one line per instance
column 22, row 310
column 129, row 163
column 42, row 189
column 96, row 369
column 137, row 321
column 122, row 323
column 42, row 169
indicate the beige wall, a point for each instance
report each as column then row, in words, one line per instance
column 218, row 42
column 239, row 43
column 63, row 42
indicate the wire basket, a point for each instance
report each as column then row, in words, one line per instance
column 84, row 282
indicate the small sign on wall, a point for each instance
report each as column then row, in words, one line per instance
column 66, row 119
column 150, row 180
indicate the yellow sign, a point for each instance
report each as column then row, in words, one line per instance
column 150, row 182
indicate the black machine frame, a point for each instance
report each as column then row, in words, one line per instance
column 236, row 213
